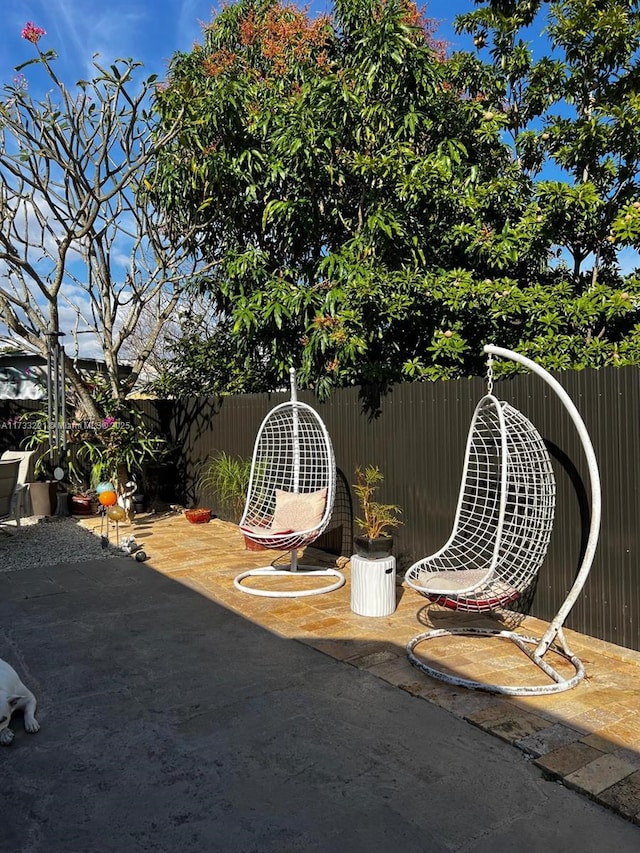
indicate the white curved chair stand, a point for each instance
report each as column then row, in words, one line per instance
column 500, row 536
column 291, row 493
column 270, row 572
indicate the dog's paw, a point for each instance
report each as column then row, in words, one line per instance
column 32, row 725
column 6, row 737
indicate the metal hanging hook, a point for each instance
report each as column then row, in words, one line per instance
column 292, row 382
column 490, row 374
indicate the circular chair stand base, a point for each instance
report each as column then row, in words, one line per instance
column 270, row 572
column 557, row 684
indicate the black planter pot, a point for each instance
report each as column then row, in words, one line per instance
column 373, row 549
column 139, row 502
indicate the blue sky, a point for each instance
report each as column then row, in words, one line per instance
column 147, row 30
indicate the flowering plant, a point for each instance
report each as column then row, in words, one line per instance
column 32, row 33
column 117, row 447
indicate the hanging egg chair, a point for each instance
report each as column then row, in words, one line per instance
column 501, row 532
column 291, row 493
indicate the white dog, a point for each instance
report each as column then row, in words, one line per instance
column 14, row 696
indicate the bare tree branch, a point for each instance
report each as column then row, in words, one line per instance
column 80, row 250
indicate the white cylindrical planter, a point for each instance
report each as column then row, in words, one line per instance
column 373, row 586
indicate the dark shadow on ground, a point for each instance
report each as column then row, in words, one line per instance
column 170, row 723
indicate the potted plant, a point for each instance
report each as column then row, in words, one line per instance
column 82, row 504
column 43, row 495
column 112, row 448
column 376, row 518
column 82, row 499
column 43, row 490
column 118, row 448
column 228, row 477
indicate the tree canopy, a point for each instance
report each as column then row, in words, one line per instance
column 571, row 116
column 376, row 210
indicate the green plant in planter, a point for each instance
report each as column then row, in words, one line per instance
column 228, row 476
column 119, row 447
column 377, row 519
column 112, row 448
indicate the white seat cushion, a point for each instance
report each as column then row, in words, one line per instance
column 298, row 511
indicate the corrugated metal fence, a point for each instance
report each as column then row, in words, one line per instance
column 416, row 434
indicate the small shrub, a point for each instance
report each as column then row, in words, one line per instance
column 377, row 518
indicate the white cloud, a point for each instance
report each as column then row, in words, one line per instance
column 83, row 29
column 150, row 31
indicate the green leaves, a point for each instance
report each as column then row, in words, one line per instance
column 625, row 228
column 379, row 213
column 228, row 477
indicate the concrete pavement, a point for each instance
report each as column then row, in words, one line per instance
column 588, row 737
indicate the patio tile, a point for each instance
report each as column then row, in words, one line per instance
column 626, row 732
column 499, row 710
column 470, row 702
column 624, row 796
column 594, row 719
column 599, row 774
column 337, row 649
column 567, row 759
column 460, row 701
column 317, row 625
column 518, row 726
column 372, row 659
column 597, row 741
column 549, row 739
column 630, row 755
column 398, row 671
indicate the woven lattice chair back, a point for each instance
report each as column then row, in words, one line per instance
column 293, row 479
column 290, row 498
column 503, row 520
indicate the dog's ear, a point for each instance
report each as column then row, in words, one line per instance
column 13, row 701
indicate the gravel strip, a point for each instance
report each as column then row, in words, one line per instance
column 47, row 542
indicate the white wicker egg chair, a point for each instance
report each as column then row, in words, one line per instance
column 501, row 532
column 291, row 493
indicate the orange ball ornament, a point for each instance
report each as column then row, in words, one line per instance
column 107, row 498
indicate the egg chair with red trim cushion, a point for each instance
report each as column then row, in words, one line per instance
column 291, row 493
column 503, row 520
